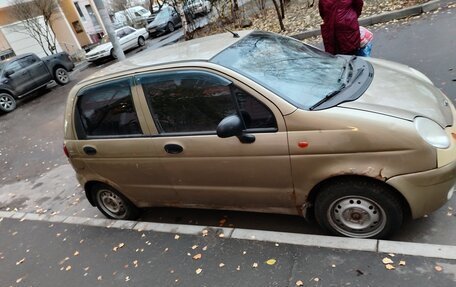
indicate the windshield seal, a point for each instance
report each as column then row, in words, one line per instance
column 298, row 73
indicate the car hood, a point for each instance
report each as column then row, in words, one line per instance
column 158, row 22
column 99, row 48
column 400, row 91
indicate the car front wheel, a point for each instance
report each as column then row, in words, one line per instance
column 358, row 209
column 113, row 204
column 7, row 103
column 170, row 27
column 141, row 41
column 61, row 76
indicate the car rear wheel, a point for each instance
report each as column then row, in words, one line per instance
column 170, row 27
column 113, row 204
column 61, row 76
column 7, row 103
column 141, row 41
column 359, row 209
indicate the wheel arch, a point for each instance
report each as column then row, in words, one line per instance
column 308, row 212
column 90, row 197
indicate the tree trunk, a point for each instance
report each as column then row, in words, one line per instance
column 282, row 27
column 109, row 29
column 282, row 8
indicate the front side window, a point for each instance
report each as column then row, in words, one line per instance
column 14, row 66
column 196, row 102
column 107, row 110
column 187, row 102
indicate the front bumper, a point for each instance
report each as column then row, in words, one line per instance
column 426, row 191
column 98, row 56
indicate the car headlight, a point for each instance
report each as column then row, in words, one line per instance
column 432, row 133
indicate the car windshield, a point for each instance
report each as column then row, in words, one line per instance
column 300, row 74
column 163, row 15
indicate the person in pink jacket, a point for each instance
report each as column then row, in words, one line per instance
column 340, row 28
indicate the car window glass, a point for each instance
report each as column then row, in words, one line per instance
column 27, row 61
column 254, row 113
column 128, row 30
column 14, row 66
column 108, row 110
column 183, row 102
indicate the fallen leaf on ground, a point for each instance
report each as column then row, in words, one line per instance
column 176, row 237
column 402, row 263
column 19, row 280
column 299, row 283
column 391, row 254
column 316, row 279
column 127, row 278
column 387, row 260
column 255, row 265
column 68, row 268
column 204, row 232
column 389, row 267
column 221, row 235
column 221, row 265
column 198, row 271
column 238, row 268
column 205, row 248
column 76, row 253
column 194, row 247
column 271, row 262
column 197, row 256
column 438, row 268
column 222, row 222
column 20, row 261
column 99, row 278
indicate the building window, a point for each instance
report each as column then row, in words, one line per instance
column 76, row 4
column 92, row 15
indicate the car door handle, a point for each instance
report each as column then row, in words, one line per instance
column 173, row 148
column 89, row 150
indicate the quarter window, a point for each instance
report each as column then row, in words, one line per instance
column 108, row 110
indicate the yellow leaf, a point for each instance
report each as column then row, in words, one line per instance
column 271, row 262
column 76, row 253
column 387, row 260
column 402, row 263
column 197, row 256
column 198, row 271
column 389, row 267
column 255, row 265
column 68, row 268
column 194, row 247
column 221, row 265
column 438, row 268
column 299, row 283
column 176, row 237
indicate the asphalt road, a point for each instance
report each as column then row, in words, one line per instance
column 35, row 175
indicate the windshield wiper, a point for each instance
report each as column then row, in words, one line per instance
column 328, row 96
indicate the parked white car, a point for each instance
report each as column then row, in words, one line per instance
column 131, row 15
column 129, row 38
column 197, row 7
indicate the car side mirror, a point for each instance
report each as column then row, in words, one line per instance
column 8, row 73
column 232, row 126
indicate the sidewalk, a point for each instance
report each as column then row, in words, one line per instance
column 37, row 253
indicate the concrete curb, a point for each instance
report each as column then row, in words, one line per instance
column 369, row 245
column 382, row 18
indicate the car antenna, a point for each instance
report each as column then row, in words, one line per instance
column 235, row 35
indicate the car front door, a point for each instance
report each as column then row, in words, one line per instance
column 18, row 77
column 210, row 171
column 114, row 144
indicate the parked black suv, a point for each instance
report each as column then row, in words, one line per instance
column 24, row 74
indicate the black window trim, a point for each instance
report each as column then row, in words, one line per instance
column 225, row 77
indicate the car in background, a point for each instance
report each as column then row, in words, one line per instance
column 257, row 121
column 24, row 74
column 136, row 16
column 165, row 22
column 129, row 38
column 194, row 8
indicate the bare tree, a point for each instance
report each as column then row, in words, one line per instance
column 279, row 15
column 30, row 13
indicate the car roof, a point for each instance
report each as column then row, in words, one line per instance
column 201, row 49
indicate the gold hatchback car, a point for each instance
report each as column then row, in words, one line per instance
column 261, row 122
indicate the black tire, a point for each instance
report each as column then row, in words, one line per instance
column 7, row 103
column 358, row 208
column 113, row 55
column 141, row 41
column 112, row 203
column 170, row 27
column 61, row 76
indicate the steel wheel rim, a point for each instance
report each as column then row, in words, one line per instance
column 62, row 75
column 111, row 203
column 141, row 42
column 170, row 27
column 6, row 103
column 357, row 216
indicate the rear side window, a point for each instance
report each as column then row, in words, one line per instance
column 107, row 110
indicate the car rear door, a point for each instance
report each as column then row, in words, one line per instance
column 206, row 170
column 114, row 143
column 37, row 69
